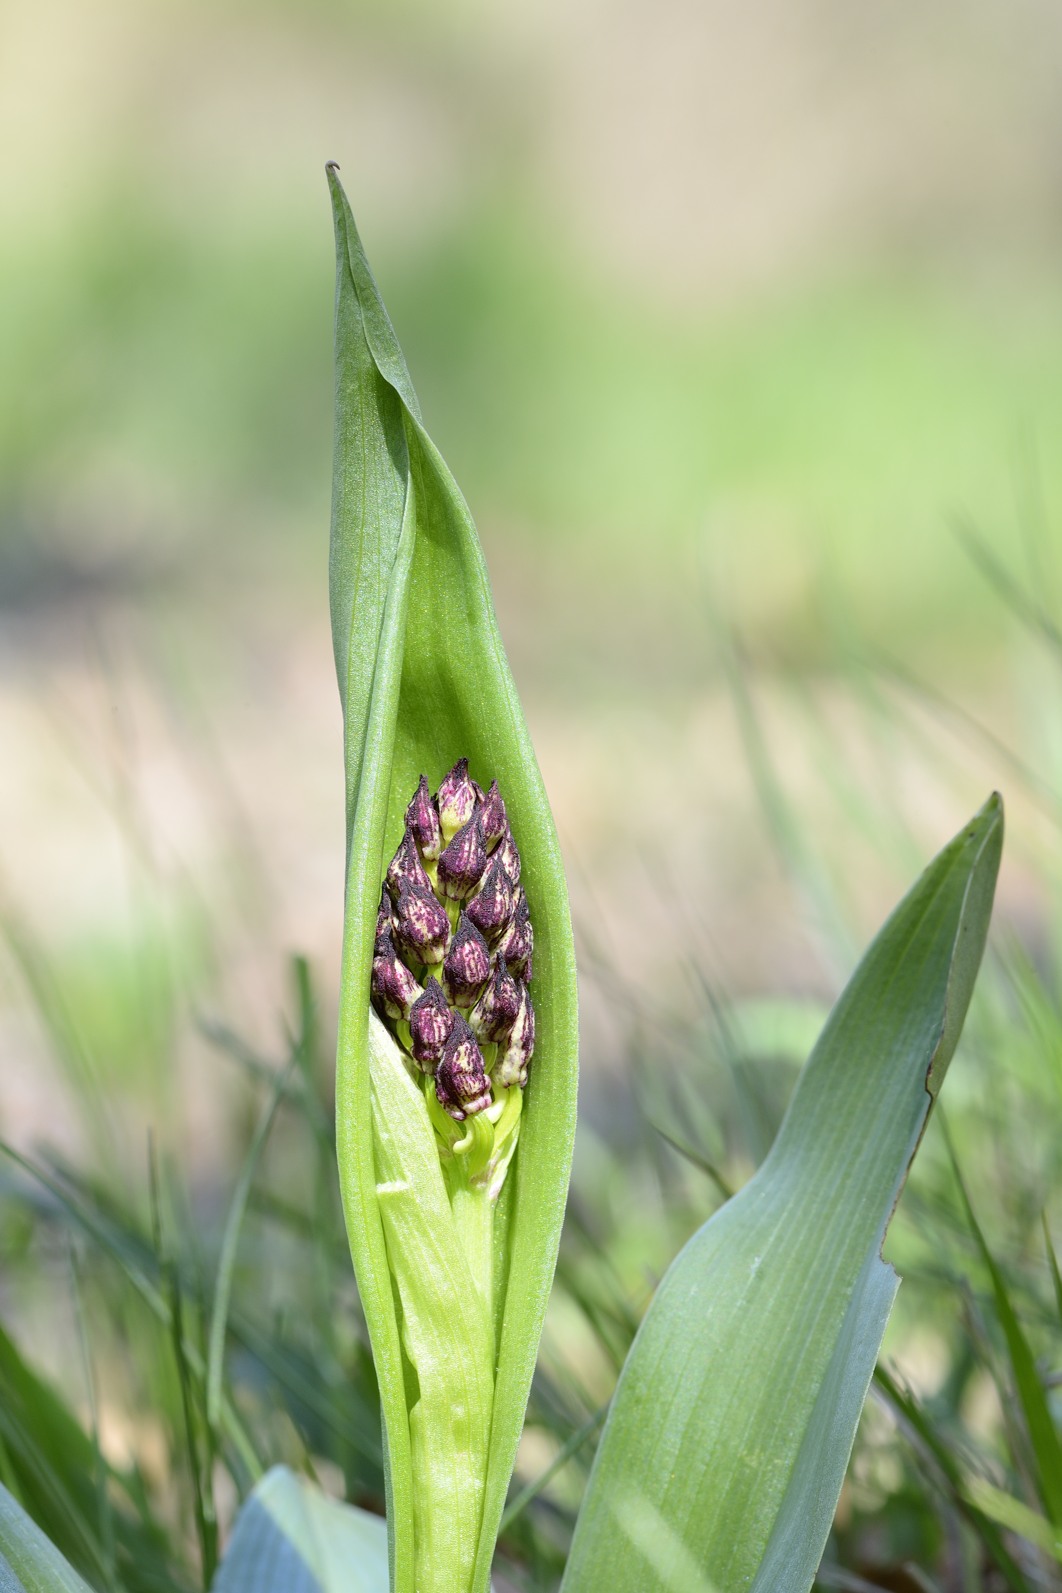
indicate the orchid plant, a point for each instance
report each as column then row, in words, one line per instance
column 730, row 1430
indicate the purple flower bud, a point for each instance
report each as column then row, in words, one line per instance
column 518, row 941
column 406, row 871
column 496, row 1011
column 393, row 986
column 511, row 1066
column 430, row 1022
column 422, row 928
column 461, row 865
column 492, row 813
column 467, row 965
column 461, row 1085
column 384, row 921
column 508, row 855
column 491, row 908
column 456, row 799
column 423, row 821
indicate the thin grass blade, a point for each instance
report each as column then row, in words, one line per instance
column 1043, row 1434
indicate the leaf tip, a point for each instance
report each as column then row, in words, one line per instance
column 978, row 848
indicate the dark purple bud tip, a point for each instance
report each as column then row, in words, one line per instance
column 423, row 821
column 406, row 871
column 518, row 941
column 511, row 1066
column 461, row 865
column 461, row 1085
column 456, row 799
column 393, row 986
column 384, row 921
column 491, row 908
column 508, row 856
column 492, row 812
column 430, row 1022
column 422, row 928
column 467, row 965
column 494, row 1014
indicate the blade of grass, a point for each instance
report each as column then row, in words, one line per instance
column 1043, row 1436
column 131, row 1261
column 201, row 1474
column 530, row 1492
column 910, row 1413
column 105, row 1512
column 1016, row 1517
column 1052, row 1261
column 227, row 1255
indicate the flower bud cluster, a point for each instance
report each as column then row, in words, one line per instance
column 452, row 960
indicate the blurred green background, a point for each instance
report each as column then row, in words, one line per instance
column 741, row 329
column 724, row 317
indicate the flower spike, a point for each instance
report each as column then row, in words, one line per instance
column 452, row 963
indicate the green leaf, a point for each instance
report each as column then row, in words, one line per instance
column 291, row 1538
column 29, row 1563
column 424, row 681
column 734, row 1417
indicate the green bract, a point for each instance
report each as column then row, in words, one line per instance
column 424, row 683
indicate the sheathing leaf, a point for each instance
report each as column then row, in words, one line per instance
column 289, row 1537
column 424, row 681
column 29, row 1563
column 735, row 1413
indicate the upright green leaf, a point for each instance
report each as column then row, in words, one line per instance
column 424, row 681
column 734, row 1417
column 291, row 1538
column 29, row 1563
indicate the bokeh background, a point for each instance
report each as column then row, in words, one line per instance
column 740, row 327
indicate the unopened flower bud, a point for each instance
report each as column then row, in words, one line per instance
column 461, row 865
column 461, row 1085
column 491, row 908
column 430, row 1022
column 384, row 921
column 406, row 871
column 423, row 820
column 511, row 1066
column 467, row 964
column 494, row 1014
column 456, row 799
column 422, row 927
column 393, row 986
column 492, row 813
column 508, row 856
column 517, row 944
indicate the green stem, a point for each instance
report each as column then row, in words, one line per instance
column 473, row 1212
